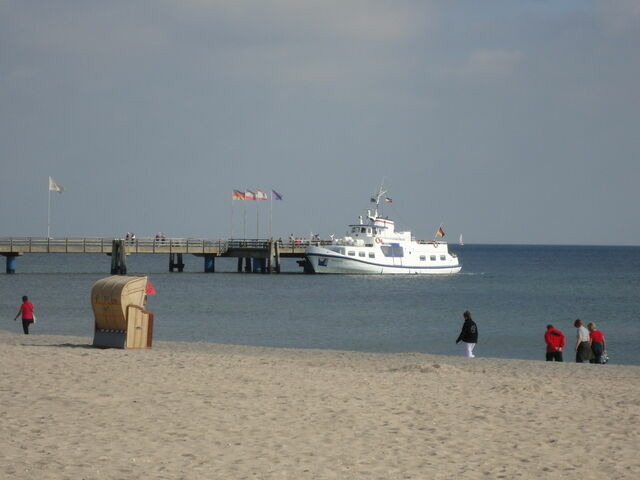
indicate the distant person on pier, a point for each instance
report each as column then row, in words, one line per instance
column 555, row 341
column 583, row 342
column 598, row 344
column 469, row 335
column 26, row 312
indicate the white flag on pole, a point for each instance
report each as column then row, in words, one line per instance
column 55, row 187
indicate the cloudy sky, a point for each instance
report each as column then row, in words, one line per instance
column 509, row 122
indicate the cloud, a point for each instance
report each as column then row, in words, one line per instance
column 370, row 20
column 620, row 17
column 491, row 64
column 201, row 96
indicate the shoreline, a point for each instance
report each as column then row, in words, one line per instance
column 206, row 410
column 204, row 346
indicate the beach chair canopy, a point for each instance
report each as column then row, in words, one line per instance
column 111, row 296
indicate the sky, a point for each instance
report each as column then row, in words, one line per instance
column 507, row 122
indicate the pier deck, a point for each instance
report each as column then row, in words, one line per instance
column 195, row 246
column 271, row 250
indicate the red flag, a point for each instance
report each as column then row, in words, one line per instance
column 150, row 290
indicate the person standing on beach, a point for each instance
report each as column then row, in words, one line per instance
column 469, row 335
column 598, row 343
column 583, row 342
column 555, row 341
column 26, row 312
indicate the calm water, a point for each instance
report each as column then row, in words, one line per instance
column 512, row 291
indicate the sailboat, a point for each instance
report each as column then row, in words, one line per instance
column 460, row 242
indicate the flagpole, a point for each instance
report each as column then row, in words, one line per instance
column 49, row 214
column 58, row 188
column 436, row 234
column 244, row 215
column 257, row 221
column 270, row 214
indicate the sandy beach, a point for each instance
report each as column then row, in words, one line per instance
column 195, row 410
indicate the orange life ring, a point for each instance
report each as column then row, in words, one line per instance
column 378, row 240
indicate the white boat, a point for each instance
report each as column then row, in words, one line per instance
column 374, row 247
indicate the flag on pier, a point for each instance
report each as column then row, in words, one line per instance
column 54, row 186
column 249, row 195
column 440, row 233
column 388, row 200
column 237, row 195
column 275, row 195
column 260, row 195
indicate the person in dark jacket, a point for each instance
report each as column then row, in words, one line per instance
column 555, row 341
column 469, row 335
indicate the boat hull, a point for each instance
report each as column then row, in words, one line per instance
column 322, row 260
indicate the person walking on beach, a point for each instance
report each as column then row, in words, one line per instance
column 555, row 341
column 469, row 335
column 583, row 342
column 598, row 344
column 26, row 312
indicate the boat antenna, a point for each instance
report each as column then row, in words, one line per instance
column 377, row 197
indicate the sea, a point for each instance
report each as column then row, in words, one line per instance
column 512, row 291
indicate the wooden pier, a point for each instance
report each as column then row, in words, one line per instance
column 253, row 255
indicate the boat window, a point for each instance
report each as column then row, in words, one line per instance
column 423, row 258
column 351, row 253
column 341, row 251
column 362, row 254
column 392, row 251
column 368, row 230
column 363, row 230
column 372, row 255
column 432, row 258
column 442, row 257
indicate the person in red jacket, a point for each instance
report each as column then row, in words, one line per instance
column 26, row 311
column 598, row 344
column 555, row 341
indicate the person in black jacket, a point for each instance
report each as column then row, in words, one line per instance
column 469, row 335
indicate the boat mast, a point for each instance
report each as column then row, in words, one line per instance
column 378, row 196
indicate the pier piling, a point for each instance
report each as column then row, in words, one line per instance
column 118, row 257
column 175, row 262
column 209, row 263
column 11, row 263
column 273, row 263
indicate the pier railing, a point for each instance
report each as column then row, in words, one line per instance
column 196, row 246
column 54, row 245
